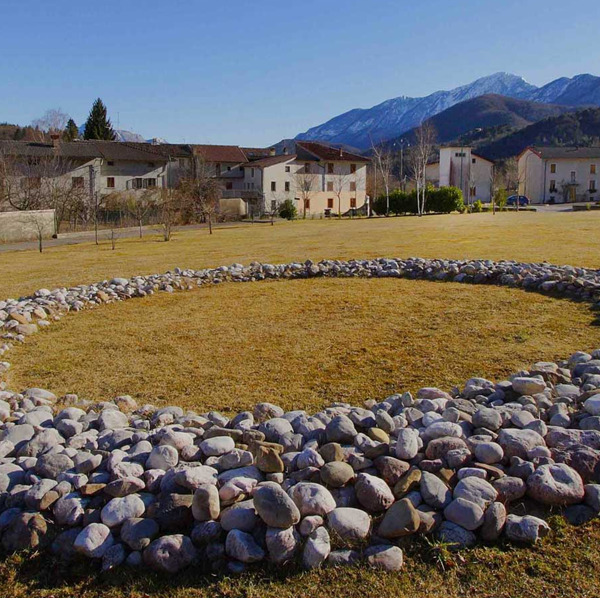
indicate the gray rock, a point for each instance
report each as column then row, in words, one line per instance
column 434, row 491
column 465, row 513
column 241, row 546
column 117, row 510
column 373, row 492
column 494, row 519
column 312, row 498
column 350, row 524
column 282, row 544
column 138, row 533
column 170, row 553
column 475, row 490
column 316, row 549
column 387, row 558
column 94, row 540
column 206, row 504
column 275, row 507
column 455, row 535
column 525, row 529
column 162, row 457
column 555, row 484
column 240, row 516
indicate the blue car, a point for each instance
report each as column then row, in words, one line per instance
column 512, row 200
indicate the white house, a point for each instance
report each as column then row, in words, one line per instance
column 549, row 175
column 461, row 167
column 319, row 179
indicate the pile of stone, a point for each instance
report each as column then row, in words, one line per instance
column 167, row 488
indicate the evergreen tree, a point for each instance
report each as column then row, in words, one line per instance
column 98, row 126
column 71, row 132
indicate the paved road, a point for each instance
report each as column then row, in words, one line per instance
column 82, row 237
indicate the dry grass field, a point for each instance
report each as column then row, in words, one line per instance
column 306, row 343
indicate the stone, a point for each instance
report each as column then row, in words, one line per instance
column 518, row 442
column 487, row 417
column 408, row 482
column 509, row 489
column 465, row 513
column 340, row 429
column 434, row 491
column 336, row 474
column 282, row 544
column 477, row 490
column 241, row 546
column 494, row 520
column 488, row 452
column 528, row 529
column 350, row 524
column 162, row 457
column 401, row 519
column 117, row 510
column 373, row 492
column 527, row 386
column 340, row 558
column 68, row 510
column 312, row 499
column 114, row 557
column 316, row 548
column 170, row 553
column 387, row 558
column 592, row 496
column 138, row 533
column 407, row 445
column 206, row 504
column 555, row 484
column 94, row 540
column 592, row 405
column 217, row 446
column 275, row 507
column 241, row 515
column 26, row 531
column 124, row 486
column 455, row 535
column 268, row 460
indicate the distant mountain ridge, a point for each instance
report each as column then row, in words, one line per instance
column 392, row 118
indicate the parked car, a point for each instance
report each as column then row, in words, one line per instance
column 512, row 200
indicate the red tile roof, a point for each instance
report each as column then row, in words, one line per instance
column 269, row 160
column 324, row 152
column 212, row 153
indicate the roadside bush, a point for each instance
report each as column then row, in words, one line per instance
column 477, row 206
column 440, row 200
column 288, row 210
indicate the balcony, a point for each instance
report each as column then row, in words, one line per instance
column 243, row 194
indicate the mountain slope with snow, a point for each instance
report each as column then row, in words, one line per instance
column 360, row 127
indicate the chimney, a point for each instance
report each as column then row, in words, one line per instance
column 55, row 137
column 341, row 153
column 272, row 151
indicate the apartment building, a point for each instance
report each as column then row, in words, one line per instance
column 552, row 175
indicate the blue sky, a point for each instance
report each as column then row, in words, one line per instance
column 251, row 73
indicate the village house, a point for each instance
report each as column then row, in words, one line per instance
column 549, row 175
column 461, row 167
column 318, row 179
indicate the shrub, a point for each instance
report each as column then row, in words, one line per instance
column 288, row 210
column 444, row 200
column 500, row 198
column 477, row 206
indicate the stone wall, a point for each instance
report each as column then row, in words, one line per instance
column 19, row 226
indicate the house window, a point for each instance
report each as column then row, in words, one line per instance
column 229, row 185
column 592, row 185
column 353, row 186
column 242, row 169
column 307, row 167
column 553, row 185
column 330, row 168
column 352, row 202
column 218, row 168
column 182, row 163
column 287, row 169
column 229, row 168
column 273, row 204
column 352, row 168
column 273, row 186
column 592, row 169
column 151, row 165
column 307, row 203
column 287, row 186
column 110, row 163
column 329, row 202
column 150, row 182
column 474, row 160
column 472, row 191
column 553, row 168
column 76, row 182
column 330, row 186
column 110, row 182
column 137, row 183
column 460, row 154
column 573, row 176
column 252, row 172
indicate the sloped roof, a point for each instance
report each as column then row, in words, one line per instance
column 256, row 153
column 324, row 152
column 566, row 151
column 213, row 153
column 85, row 149
column 269, row 161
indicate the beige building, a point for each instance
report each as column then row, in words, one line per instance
column 460, row 167
column 319, row 179
column 549, row 175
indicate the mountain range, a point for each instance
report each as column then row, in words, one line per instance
column 361, row 128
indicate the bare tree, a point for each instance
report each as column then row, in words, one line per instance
column 202, row 191
column 384, row 163
column 37, row 221
column 54, row 120
column 306, row 185
column 341, row 183
column 513, row 178
column 169, row 205
column 139, row 206
column 421, row 154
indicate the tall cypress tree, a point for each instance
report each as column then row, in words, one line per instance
column 98, row 126
column 71, row 132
